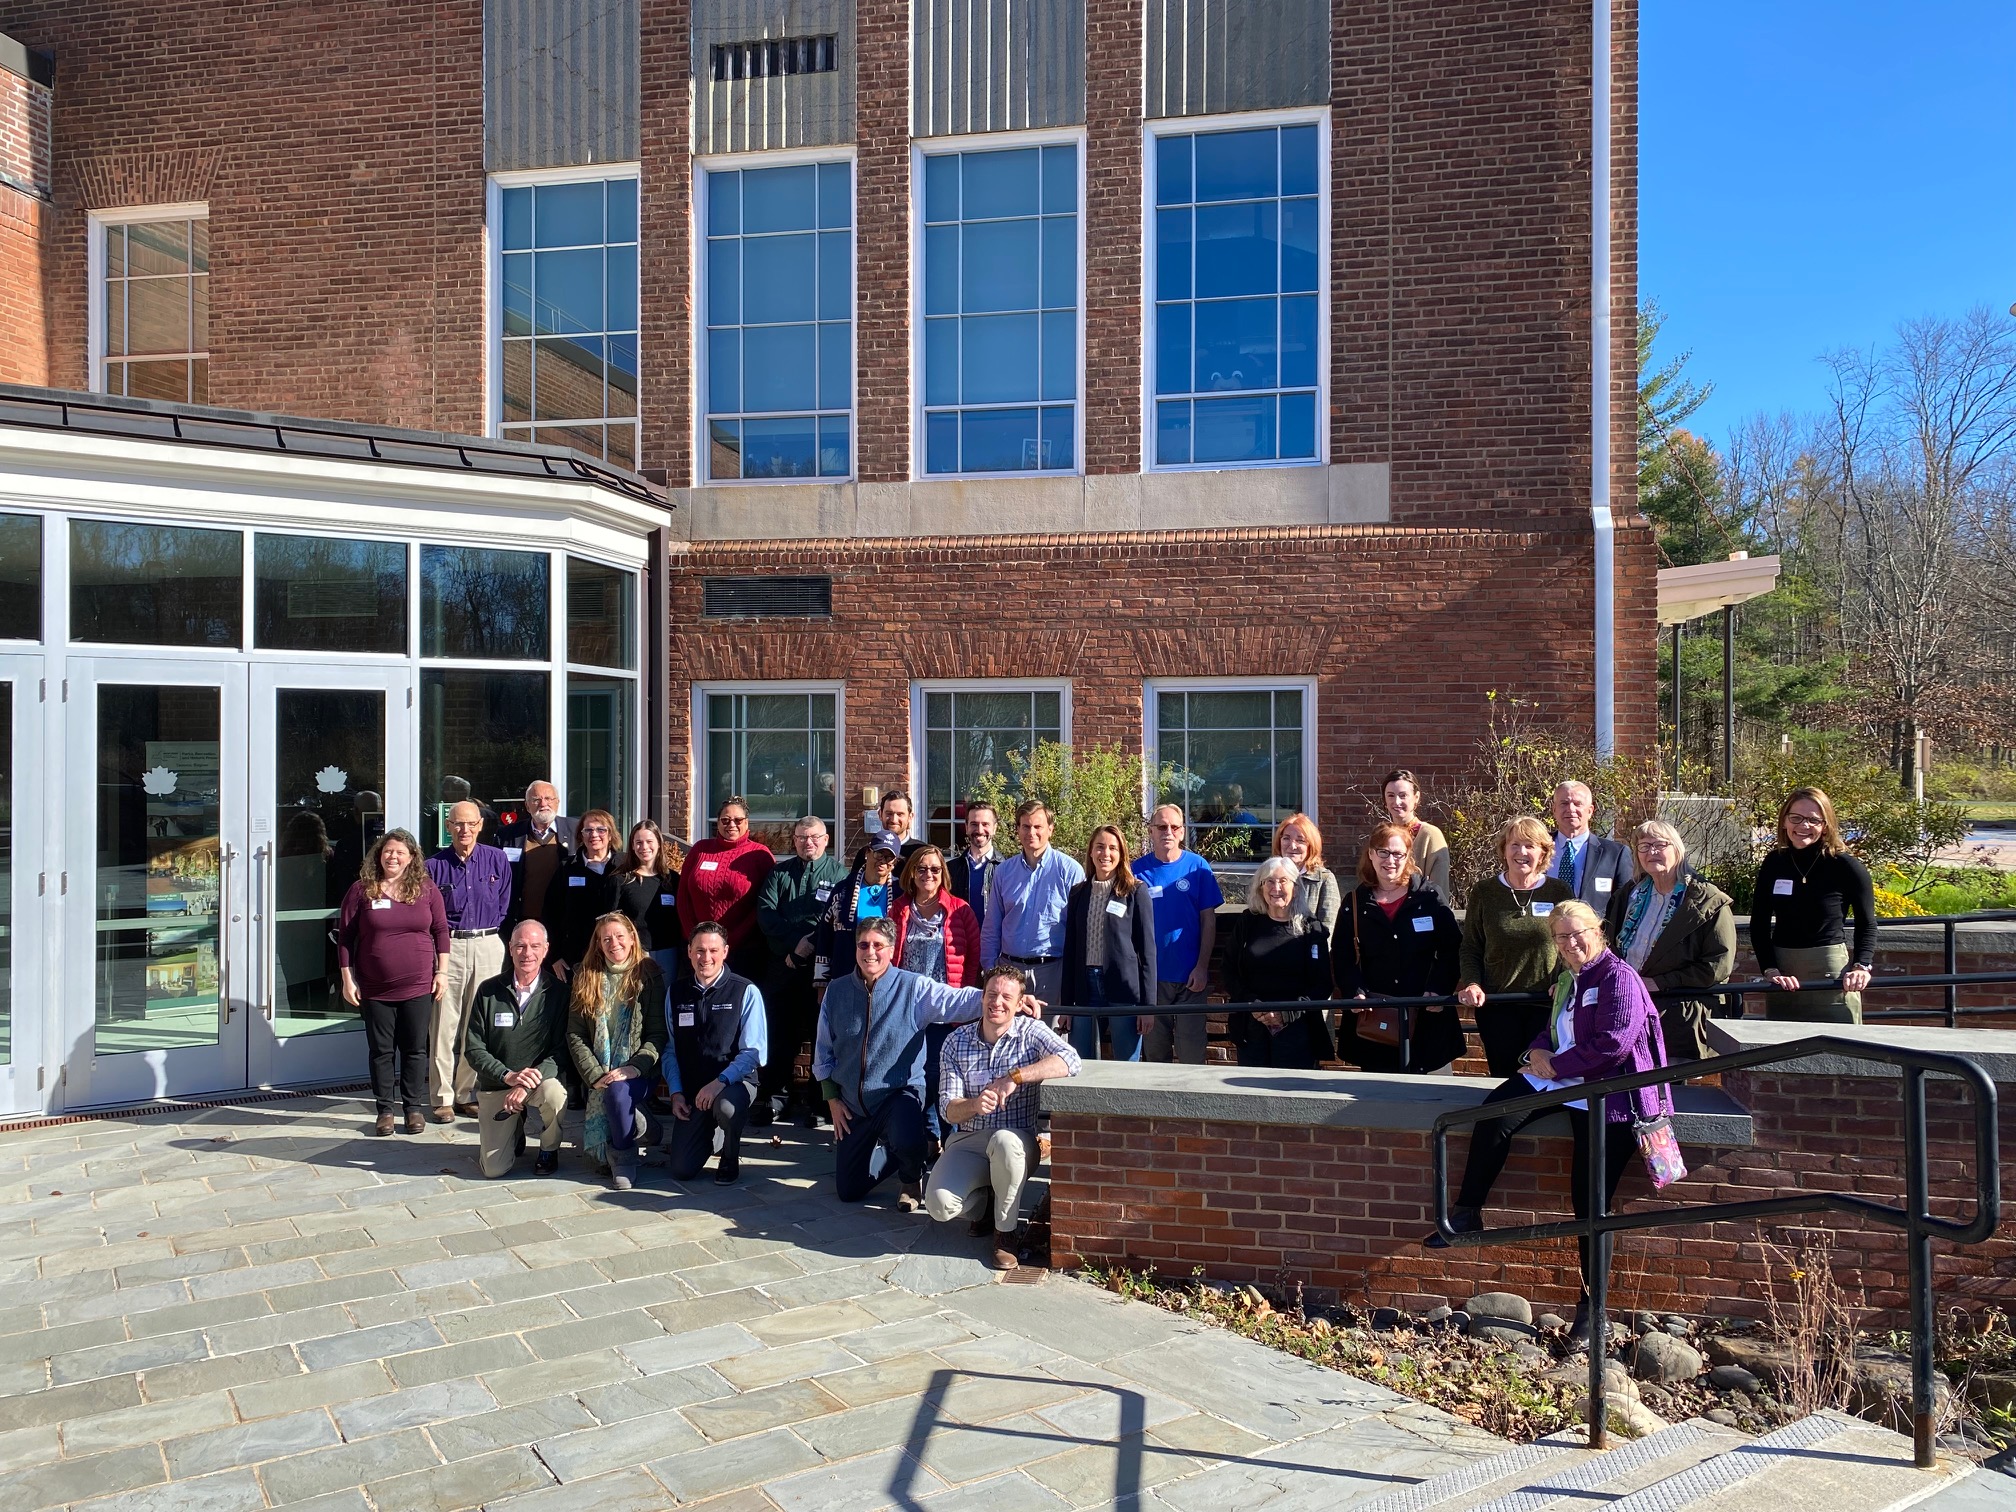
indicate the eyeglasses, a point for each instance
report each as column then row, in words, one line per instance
column 596, row 829
column 1813, row 821
column 1386, row 855
column 1562, row 937
column 729, row 821
column 930, row 871
column 1172, row 828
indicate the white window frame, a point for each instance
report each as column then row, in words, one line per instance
column 94, row 263
column 1152, row 133
column 1151, row 752
column 493, row 277
column 988, row 141
column 733, row 162
column 919, row 743
column 700, row 822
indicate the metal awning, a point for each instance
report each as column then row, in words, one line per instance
column 1689, row 593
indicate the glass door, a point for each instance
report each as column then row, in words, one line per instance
column 330, row 771
column 157, row 879
column 24, row 1069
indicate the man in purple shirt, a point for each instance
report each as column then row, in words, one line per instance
column 475, row 883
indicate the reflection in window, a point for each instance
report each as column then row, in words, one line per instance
column 1237, row 216
column 970, row 733
column 21, row 577
column 780, row 752
column 156, row 585
column 156, row 331
column 483, row 735
column 780, row 321
column 1232, row 759
column 490, row 605
column 569, row 321
column 599, row 720
column 315, row 593
column 1001, row 310
column 601, row 617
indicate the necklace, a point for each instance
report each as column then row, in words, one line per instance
column 1806, row 873
column 1525, row 903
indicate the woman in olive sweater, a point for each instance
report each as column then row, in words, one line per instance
column 1507, row 946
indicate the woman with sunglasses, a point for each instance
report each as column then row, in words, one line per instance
column 1807, row 887
column 720, row 881
column 937, row 936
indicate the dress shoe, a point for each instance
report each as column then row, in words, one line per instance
column 468, row 1109
column 1464, row 1220
column 547, row 1163
column 728, row 1169
column 384, row 1124
column 1005, row 1256
column 762, row 1113
column 443, row 1115
column 415, row 1124
column 623, row 1171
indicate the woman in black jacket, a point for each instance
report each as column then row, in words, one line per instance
column 1109, row 950
column 1396, row 938
column 1277, row 956
column 583, row 890
column 649, row 896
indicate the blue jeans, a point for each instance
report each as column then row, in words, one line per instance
column 622, row 1101
column 1124, row 1027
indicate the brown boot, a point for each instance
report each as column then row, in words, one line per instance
column 1005, row 1257
column 383, row 1126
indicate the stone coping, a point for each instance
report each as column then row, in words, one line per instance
column 1334, row 1099
column 1988, row 938
column 1993, row 1049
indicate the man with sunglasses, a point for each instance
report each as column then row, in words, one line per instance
column 1186, row 898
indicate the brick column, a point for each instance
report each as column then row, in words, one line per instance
column 665, row 272
column 882, row 240
column 1113, row 178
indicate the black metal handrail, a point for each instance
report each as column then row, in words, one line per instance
column 1917, row 1222
column 1950, row 924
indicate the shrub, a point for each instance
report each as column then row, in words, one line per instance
column 1085, row 788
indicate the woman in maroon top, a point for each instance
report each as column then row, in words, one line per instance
column 392, row 946
column 720, row 881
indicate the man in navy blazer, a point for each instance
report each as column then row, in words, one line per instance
column 1596, row 867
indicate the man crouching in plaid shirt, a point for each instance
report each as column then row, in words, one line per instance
column 986, row 1085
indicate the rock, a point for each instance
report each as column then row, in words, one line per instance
column 1550, row 1320
column 1457, row 1322
column 1992, row 1389
column 1436, row 1315
column 1644, row 1322
column 1630, row 1418
column 1500, row 1304
column 1385, row 1319
column 1762, row 1357
column 1617, row 1382
column 1502, row 1329
column 1723, row 1416
column 1881, row 1391
column 1531, row 1353
column 1733, row 1378
column 1661, row 1357
column 1676, row 1325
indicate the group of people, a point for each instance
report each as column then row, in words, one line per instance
column 636, row 991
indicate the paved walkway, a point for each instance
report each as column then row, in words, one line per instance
column 262, row 1307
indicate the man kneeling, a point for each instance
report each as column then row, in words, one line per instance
column 516, row 1027
column 719, row 1040
column 987, row 1086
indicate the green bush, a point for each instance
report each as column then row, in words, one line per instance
column 1085, row 788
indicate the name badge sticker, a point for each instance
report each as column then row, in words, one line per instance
column 1116, row 908
column 1423, row 924
column 505, row 1021
column 824, row 892
column 1315, row 952
column 1589, row 998
column 710, row 866
column 1154, row 889
column 1782, row 887
column 514, row 854
column 686, row 1020
column 577, row 881
column 381, row 902
column 1604, row 884
column 1540, row 910
column 666, row 900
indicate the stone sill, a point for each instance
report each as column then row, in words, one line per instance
column 1993, row 1049
column 1704, row 1116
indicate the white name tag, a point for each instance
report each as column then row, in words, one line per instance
column 1589, row 998
column 1540, row 910
column 710, row 866
column 1116, row 908
column 577, row 881
column 685, row 1021
column 1315, row 952
column 504, row 1021
column 824, row 893
column 1154, row 890
column 1782, row 887
column 387, row 902
column 1423, row 924
column 514, row 854
column 665, row 900
column 1603, row 884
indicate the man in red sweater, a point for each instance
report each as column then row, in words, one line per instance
column 720, row 882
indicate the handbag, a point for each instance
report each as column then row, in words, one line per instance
column 1376, row 1026
column 1657, row 1142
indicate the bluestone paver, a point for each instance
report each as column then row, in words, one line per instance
column 250, row 1443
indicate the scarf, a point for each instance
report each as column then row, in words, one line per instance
column 612, row 1028
column 1634, row 920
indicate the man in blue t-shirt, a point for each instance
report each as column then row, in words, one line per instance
column 1186, row 931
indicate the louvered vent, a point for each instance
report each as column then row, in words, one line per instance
column 767, row 597
column 775, row 58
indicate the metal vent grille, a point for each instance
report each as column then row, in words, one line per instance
column 775, row 58
column 767, row 597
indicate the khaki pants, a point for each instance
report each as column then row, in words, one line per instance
column 471, row 963
column 499, row 1136
column 973, row 1161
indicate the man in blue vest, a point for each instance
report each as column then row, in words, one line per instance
column 720, row 1038
column 869, row 1058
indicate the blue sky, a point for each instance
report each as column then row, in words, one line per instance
column 1811, row 174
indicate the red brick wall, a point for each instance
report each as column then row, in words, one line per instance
column 24, row 221
column 1344, row 1210
column 665, row 192
column 881, row 243
column 340, row 148
column 1113, row 183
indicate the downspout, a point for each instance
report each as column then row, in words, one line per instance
column 1602, row 525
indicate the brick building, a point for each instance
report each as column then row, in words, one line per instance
column 1205, row 376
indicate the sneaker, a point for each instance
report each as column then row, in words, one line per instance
column 623, row 1172
column 1006, row 1252
column 547, row 1163
column 911, row 1197
column 1464, row 1220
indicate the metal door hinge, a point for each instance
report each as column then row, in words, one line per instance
column 409, row 697
column 42, row 693
column 66, row 690
column 63, row 880
column 41, row 884
column 41, row 1077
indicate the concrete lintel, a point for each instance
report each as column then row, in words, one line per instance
column 1994, row 1050
column 1334, row 1099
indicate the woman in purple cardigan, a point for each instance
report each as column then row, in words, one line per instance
column 1603, row 1025
column 392, row 947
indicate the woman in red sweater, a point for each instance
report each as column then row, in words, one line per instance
column 392, row 948
column 720, row 881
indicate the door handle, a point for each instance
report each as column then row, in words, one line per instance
column 226, row 854
column 269, row 934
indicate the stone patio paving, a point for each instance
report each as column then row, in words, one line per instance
column 260, row 1306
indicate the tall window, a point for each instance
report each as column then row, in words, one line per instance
column 778, row 748
column 1233, row 758
column 1001, row 310
column 601, row 685
column 780, row 322
column 971, row 732
column 569, row 321
column 154, row 325
column 1238, row 218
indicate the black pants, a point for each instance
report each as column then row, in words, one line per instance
column 897, row 1126
column 792, row 1013
column 1507, row 1034
column 395, row 1036
column 1298, row 1045
column 690, row 1141
column 1491, row 1144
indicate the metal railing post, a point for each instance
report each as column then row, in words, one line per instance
column 1952, row 968
column 1917, row 1199
column 1597, row 1282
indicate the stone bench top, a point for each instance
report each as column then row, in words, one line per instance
column 1333, row 1099
column 1993, row 1049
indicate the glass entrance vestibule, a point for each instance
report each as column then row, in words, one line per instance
column 205, row 722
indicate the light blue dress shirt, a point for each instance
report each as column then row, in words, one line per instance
column 1025, row 906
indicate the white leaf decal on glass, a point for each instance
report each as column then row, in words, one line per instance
column 331, row 779
column 159, row 782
